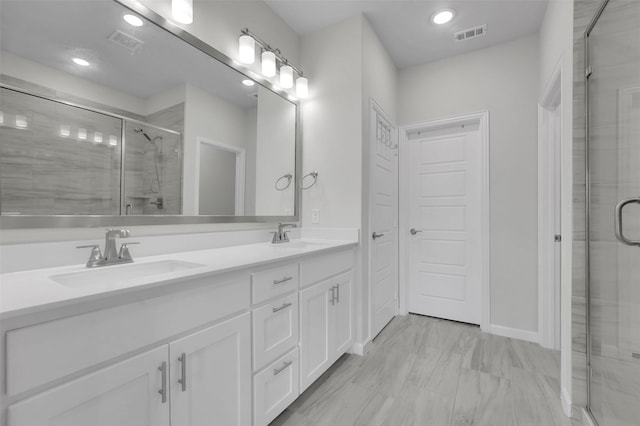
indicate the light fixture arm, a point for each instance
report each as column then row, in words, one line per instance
column 267, row 47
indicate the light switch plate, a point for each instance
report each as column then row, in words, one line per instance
column 315, row 216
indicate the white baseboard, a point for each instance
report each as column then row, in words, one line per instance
column 514, row 333
column 565, row 399
column 360, row 348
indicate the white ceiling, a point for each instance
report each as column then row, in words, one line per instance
column 405, row 27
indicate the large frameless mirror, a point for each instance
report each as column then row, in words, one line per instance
column 111, row 115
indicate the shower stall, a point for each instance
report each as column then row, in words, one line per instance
column 64, row 158
column 612, row 63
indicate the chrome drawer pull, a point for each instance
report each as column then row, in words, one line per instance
column 183, row 372
column 285, row 306
column 277, row 371
column 284, row 280
column 163, row 389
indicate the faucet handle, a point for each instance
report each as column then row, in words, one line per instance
column 124, row 253
column 95, row 256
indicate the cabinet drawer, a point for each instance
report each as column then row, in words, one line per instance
column 320, row 268
column 273, row 282
column 275, row 388
column 275, row 330
column 41, row 353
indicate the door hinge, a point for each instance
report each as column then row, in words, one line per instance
column 557, row 238
column 588, row 71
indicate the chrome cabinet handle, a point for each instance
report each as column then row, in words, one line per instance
column 279, row 370
column 415, row 231
column 183, row 367
column 618, row 222
column 284, row 306
column 163, row 389
column 376, row 235
column 338, row 293
column 333, row 295
column 284, row 280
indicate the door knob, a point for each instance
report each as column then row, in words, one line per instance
column 376, row 235
column 414, row 231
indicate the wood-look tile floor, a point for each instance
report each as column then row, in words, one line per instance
column 431, row 372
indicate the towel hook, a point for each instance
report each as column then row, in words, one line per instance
column 314, row 175
column 288, row 176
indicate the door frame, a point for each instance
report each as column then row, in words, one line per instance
column 549, row 205
column 240, row 173
column 482, row 120
column 375, row 108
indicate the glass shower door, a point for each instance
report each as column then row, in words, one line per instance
column 613, row 49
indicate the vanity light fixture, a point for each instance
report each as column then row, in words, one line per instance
column 248, row 82
column 113, row 140
column 246, row 49
column 97, row 137
column 302, row 87
column 82, row 133
column 271, row 60
column 286, row 76
column 182, row 11
column 81, row 62
column 65, row 131
column 268, row 64
column 21, row 122
column 133, row 20
column 442, row 17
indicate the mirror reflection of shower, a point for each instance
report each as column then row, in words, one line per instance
column 158, row 155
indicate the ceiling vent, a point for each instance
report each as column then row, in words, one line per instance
column 130, row 43
column 471, row 33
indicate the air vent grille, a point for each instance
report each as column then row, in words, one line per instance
column 122, row 39
column 471, row 33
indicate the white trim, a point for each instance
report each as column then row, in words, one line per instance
column 565, row 400
column 514, row 333
column 240, row 173
column 548, row 265
column 377, row 109
column 482, row 119
column 360, row 348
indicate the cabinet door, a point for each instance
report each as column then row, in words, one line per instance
column 211, row 375
column 315, row 342
column 275, row 387
column 341, row 315
column 125, row 394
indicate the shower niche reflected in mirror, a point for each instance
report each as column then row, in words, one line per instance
column 102, row 119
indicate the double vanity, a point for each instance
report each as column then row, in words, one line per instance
column 227, row 336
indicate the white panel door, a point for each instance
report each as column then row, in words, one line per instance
column 383, row 265
column 315, row 332
column 211, row 375
column 125, row 394
column 445, row 255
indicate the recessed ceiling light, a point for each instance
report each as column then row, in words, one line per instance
column 248, row 82
column 133, row 20
column 80, row 62
column 442, row 17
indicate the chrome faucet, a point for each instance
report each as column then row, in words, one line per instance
column 111, row 255
column 280, row 236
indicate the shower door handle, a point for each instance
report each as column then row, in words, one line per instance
column 618, row 221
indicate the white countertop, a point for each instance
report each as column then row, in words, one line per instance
column 34, row 291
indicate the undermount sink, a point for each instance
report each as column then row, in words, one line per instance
column 109, row 275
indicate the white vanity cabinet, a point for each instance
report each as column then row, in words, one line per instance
column 210, row 380
column 326, row 325
column 124, row 394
